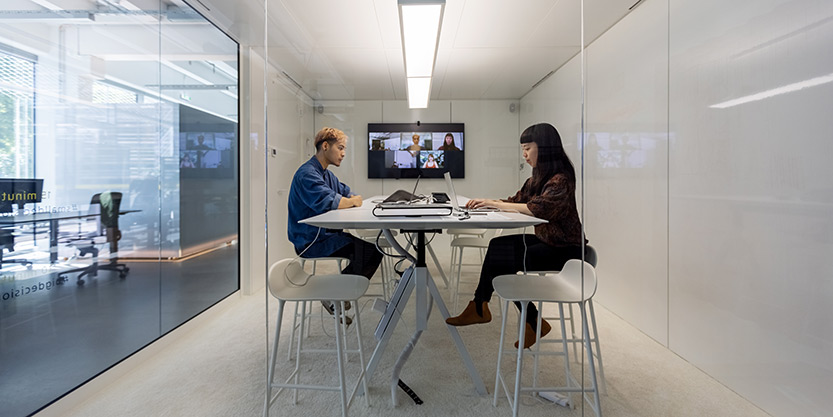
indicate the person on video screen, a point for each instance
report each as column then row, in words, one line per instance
column 186, row 162
column 415, row 148
column 448, row 143
column 430, row 163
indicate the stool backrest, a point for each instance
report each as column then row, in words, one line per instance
column 284, row 274
column 590, row 255
column 580, row 278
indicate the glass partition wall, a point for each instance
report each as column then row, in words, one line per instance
column 493, row 161
column 118, row 159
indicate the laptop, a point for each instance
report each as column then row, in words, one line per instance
column 402, row 196
column 454, row 201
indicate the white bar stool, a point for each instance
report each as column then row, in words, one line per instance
column 590, row 257
column 576, row 283
column 306, row 308
column 289, row 282
column 458, row 245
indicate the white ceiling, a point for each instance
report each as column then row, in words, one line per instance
column 351, row 50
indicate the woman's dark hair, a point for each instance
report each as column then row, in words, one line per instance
column 552, row 159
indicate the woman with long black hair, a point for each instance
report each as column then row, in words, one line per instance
column 549, row 194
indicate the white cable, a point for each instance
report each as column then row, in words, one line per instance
column 285, row 275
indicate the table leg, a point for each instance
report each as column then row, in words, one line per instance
column 458, row 341
column 53, row 241
column 391, row 318
column 420, row 280
column 437, row 263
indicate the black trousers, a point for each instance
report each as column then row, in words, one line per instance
column 506, row 256
column 364, row 257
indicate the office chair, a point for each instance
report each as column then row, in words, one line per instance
column 105, row 210
column 7, row 243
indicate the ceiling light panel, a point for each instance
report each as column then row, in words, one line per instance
column 420, row 31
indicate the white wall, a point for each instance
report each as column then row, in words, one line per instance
column 712, row 225
column 290, row 124
column 491, row 143
column 751, row 201
column 252, row 171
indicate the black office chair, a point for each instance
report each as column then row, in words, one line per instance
column 7, row 243
column 105, row 208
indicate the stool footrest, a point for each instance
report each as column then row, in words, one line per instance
column 302, row 386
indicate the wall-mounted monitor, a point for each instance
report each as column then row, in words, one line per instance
column 408, row 150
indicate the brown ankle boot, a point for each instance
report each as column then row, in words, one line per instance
column 529, row 334
column 470, row 316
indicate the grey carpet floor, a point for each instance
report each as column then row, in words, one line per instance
column 219, row 369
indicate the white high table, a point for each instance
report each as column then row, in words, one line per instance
column 363, row 218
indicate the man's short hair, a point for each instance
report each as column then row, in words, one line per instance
column 330, row 135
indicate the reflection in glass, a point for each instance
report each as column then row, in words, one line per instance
column 119, row 130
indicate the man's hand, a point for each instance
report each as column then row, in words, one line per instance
column 347, row 202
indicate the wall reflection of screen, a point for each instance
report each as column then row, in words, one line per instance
column 622, row 150
column 206, row 145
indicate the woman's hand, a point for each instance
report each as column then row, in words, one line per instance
column 482, row 202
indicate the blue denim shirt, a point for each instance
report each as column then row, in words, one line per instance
column 315, row 190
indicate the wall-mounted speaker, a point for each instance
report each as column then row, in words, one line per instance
column 512, row 107
column 320, row 109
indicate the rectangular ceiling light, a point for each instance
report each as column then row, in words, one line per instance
column 420, row 22
column 419, row 88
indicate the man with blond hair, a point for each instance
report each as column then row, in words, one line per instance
column 315, row 190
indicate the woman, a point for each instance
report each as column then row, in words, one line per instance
column 550, row 195
column 448, row 143
column 430, row 163
column 186, row 162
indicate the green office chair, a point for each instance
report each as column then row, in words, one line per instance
column 105, row 206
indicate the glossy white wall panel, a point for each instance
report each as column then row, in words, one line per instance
column 626, row 166
column 252, row 171
column 751, row 202
column 747, row 188
column 625, row 159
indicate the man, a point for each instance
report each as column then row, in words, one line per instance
column 415, row 148
column 316, row 190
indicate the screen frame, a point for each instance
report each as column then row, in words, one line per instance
column 376, row 168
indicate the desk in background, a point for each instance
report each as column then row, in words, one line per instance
column 54, row 219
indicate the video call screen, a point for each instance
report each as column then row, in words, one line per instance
column 404, row 150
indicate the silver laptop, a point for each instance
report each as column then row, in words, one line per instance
column 455, row 203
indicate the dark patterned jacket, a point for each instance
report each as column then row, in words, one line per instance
column 557, row 205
